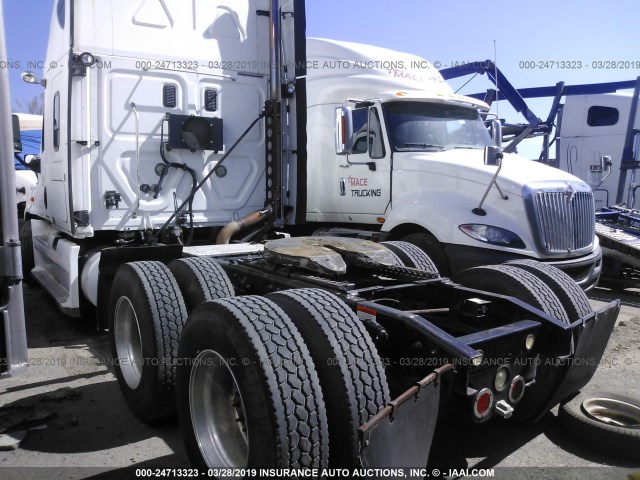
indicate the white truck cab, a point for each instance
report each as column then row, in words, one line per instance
column 408, row 161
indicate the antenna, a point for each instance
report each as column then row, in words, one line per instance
column 495, row 65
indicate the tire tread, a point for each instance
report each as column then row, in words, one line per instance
column 410, row 255
column 201, row 279
column 572, row 297
column 297, row 401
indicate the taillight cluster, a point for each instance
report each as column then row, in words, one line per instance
column 484, row 401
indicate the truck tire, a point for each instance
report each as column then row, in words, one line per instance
column 146, row 316
column 247, row 390
column 411, row 256
column 349, row 368
column 26, row 251
column 620, row 439
column 515, row 282
column 571, row 296
column 201, row 279
column 430, row 245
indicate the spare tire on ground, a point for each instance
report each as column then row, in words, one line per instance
column 602, row 421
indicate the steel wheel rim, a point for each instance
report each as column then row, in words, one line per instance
column 612, row 411
column 217, row 412
column 128, row 342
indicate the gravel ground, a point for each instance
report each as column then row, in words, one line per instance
column 91, row 433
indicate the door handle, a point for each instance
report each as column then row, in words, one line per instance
column 345, row 165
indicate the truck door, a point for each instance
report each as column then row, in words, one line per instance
column 55, row 174
column 68, row 143
column 365, row 177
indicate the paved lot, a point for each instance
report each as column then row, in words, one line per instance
column 92, row 434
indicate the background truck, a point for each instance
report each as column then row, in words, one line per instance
column 599, row 141
column 169, row 131
column 30, row 128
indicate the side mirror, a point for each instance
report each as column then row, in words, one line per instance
column 33, row 162
column 492, row 156
column 496, row 132
column 636, row 145
column 344, row 131
column 17, row 138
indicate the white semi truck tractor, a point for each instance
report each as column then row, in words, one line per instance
column 186, row 145
column 409, row 166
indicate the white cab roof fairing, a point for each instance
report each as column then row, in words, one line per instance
column 399, row 95
column 338, row 70
column 206, row 31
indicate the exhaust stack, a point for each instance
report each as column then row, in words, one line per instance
column 273, row 125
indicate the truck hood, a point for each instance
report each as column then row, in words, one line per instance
column 468, row 165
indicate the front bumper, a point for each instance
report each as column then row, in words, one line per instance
column 584, row 270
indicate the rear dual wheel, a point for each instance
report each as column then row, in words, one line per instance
column 248, row 391
column 571, row 296
column 284, row 355
column 148, row 308
column 515, row 282
column 146, row 317
column 350, row 371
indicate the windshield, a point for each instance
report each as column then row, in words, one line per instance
column 420, row 126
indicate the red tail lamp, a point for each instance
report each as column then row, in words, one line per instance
column 483, row 403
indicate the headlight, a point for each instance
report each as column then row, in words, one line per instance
column 492, row 235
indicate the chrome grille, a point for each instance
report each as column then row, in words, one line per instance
column 563, row 221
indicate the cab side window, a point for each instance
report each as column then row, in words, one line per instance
column 359, row 118
column 56, row 121
column 376, row 145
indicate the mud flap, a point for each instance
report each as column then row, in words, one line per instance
column 592, row 338
column 401, row 434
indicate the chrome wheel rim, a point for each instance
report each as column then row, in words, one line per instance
column 612, row 411
column 128, row 342
column 217, row 412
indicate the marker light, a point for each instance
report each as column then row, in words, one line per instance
column 502, row 377
column 530, row 341
column 516, row 391
column 29, row 77
column 87, row 59
column 483, row 403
